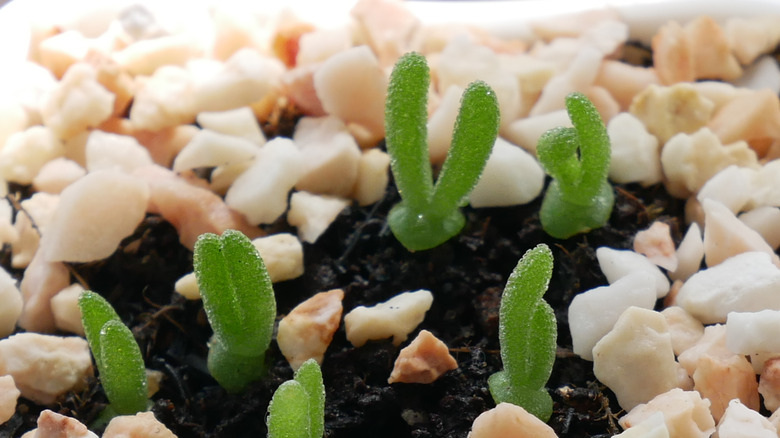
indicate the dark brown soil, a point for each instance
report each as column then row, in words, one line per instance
column 359, row 254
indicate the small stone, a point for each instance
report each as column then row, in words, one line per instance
column 145, row 56
column 684, row 329
column 140, row 425
column 653, row 426
column 764, row 220
column 164, row 99
column 657, row 245
column 747, row 282
column 616, row 264
column 593, row 313
column 106, row 151
column 282, row 254
column 307, row 330
column 26, row 153
column 9, row 395
column 239, row 122
column 769, row 383
column 636, row 360
column 11, row 309
column 66, row 310
column 753, row 36
column 57, row 174
column 511, row 176
column 733, row 187
column 726, row 236
column 41, row 281
column 422, row 361
column 313, row 214
column 209, row 148
column 739, row 421
column 58, row 52
column 396, row 318
column 690, row 253
column 526, row 132
column 686, row 414
column 753, row 117
column 372, row 177
column 636, row 155
column 442, row 122
column 45, row 367
column 187, row 286
column 508, row 420
column 54, row 425
column 667, row 111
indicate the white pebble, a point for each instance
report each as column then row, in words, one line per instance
column 747, row 282
column 686, row 414
column 11, row 309
column 140, row 425
column 209, row 148
column 54, row 425
column 739, row 421
column 733, row 187
column 239, row 122
column 512, row 176
column 66, row 310
column 313, row 214
column 636, row 156
column 373, row 177
column 765, row 221
column 164, row 99
column 593, row 313
column 442, row 122
column 653, row 426
column 750, row 333
column 9, row 395
column 684, row 329
column 764, row 73
column 145, row 56
column 508, row 420
column 639, row 342
column 26, row 152
column 282, row 254
column 726, row 236
column 525, row 132
column 187, row 286
column 45, row 366
column 396, row 318
column 260, row 192
column 616, row 264
column 57, row 174
column 690, row 253
column 78, row 233
column 42, row 280
column 105, row 151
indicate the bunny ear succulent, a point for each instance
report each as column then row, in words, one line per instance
column 429, row 214
column 579, row 197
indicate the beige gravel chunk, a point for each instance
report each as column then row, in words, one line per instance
column 441, row 123
column 9, row 395
column 525, row 132
column 66, row 310
column 312, row 214
column 753, row 36
column 140, row 425
column 30, row 224
column 260, row 193
column 187, row 286
column 734, row 187
column 769, row 383
column 684, row 329
column 145, row 56
column 624, row 81
column 77, row 103
column 579, row 76
column 511, row 176
column 764, row 220
column 726, row 236
column 636, row 359
column 42, row 280
column 739, row 421
column 26, row 152
column 690, row 253
column 44, row 366
column 396, row 318
column 307, row 330
column 239, row 122
column 508, row 420
column 209, row 148
column 106, row 151
column 332, row 156
column 616, row 264
column 689, row 161
column 58, row 52
column 636, row 155
column 282, row 254
column 657, row 245
column 673, row 54
column 54, row 425
column 57, row 174
column 686, row 414
column 422, row 361
column 712, row 57
column 753, row 117
column 77, row 232
column 754, row 334
column 11, row 297
column 164, row 99
column 372, row 178
column 352, row 86
column 667, row 111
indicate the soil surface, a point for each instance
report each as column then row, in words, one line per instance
column 359, row 254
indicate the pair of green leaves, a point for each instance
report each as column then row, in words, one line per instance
column 527, row 335
column 297, row 409
column 429, row 215
column 117, row 355
column 240, row 305
column 579, row 197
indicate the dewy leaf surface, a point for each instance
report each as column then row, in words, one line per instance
column 123, row 373
column 475, row 132
column 406, row 114
column 309, row 376
column 287, row 412
column 95, row 313
column 594, row 143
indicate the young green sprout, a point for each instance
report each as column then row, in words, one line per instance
column 579, row 197
column 429, row 215
column 527, row 335
column 117, row 356
column 297, row 408
column 239, row 301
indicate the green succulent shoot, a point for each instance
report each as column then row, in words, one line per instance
column 579, row 197
column 527, row 335
column 239, row 301
column 297, row 408
column 428, row 214
column 117, row 355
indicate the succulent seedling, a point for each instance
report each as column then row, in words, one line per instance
column 297, row 408
column 117, row 356
column 527, row 336
column 239, row 301
column 579, row 197
column 428, row 214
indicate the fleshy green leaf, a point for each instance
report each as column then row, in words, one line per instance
column 594, row 143
column 239, row 301
column 309, row 376
column 527, row 335
column 476, row 129
column 95, row 313
column 287, row 412
column 406, row 114
column 123, row 373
